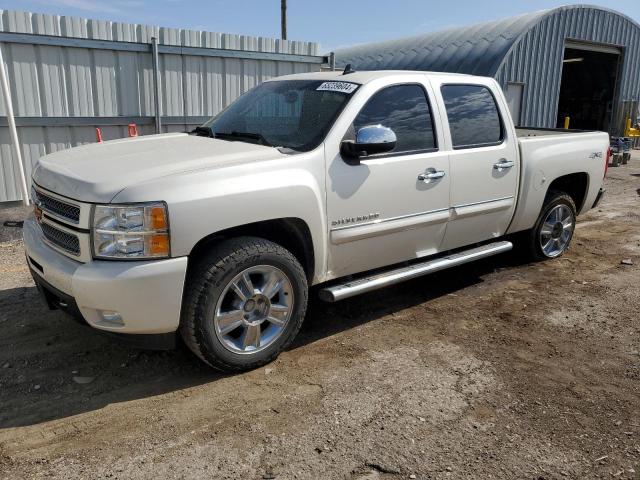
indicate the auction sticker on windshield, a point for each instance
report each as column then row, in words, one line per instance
column 344, row 87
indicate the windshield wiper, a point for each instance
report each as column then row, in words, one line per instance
column 258, row 138
column 203, row 132
column 234, row 135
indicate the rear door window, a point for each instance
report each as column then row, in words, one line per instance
column 474, row 118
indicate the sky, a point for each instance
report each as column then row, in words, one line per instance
column 332, row 23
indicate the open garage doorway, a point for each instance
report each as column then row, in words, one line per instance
column 589, row 86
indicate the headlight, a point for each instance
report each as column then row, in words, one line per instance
column 131, row 231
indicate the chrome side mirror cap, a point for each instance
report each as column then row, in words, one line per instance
column 370, row 140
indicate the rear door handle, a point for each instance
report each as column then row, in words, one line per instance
column 431, row 175
column 503, row 164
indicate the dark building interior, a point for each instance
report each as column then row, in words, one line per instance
column 588, row 89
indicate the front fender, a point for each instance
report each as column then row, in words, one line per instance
column 205, row 202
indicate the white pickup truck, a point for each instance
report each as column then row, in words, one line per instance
column 346, row 180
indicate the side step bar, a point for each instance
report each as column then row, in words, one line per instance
column 355, row 287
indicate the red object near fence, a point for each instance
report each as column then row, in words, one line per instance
column 98, row 135
column 133, row 130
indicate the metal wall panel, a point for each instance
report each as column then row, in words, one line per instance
column 92, row 80
column 525, row 49
column 536, row 59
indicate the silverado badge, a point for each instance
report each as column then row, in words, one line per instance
column 350, row 220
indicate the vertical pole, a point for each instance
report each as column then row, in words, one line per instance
column 332, row 61
column 156, row 84
column 283, row 19
column 567, row 120
column 6, row 93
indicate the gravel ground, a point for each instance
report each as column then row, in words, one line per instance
column 493, row 370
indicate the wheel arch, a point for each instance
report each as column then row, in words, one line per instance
column 291, row 233
column 576, row 185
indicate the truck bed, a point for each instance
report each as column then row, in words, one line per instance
column 553, row 153
column 523, row 132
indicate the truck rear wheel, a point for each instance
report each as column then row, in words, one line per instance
column 553, row 231
column 244, row 303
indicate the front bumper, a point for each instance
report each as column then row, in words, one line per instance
column 139, row 297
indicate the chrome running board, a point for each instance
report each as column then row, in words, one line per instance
column 355, row 287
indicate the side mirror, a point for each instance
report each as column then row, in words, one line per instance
column 370, row 140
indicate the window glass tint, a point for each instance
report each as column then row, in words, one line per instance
column 473, row 115
column 403, row 109
column 289, row 113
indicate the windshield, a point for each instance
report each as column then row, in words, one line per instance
column 295, row 114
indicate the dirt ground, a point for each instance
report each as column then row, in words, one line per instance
column 493, row 370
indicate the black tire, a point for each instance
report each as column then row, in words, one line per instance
column 529, row 241
column 208, row 279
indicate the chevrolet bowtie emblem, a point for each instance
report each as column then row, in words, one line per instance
column 37, row 211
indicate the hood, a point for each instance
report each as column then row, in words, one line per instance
column 98, row 171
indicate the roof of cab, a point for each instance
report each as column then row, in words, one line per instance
column 360, row 77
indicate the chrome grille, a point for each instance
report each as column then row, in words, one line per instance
column 57, row 207
column 63, row 240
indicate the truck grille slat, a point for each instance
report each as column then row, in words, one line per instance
column 58, row 207
column 63, row 240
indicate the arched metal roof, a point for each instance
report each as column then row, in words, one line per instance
column 475, row 49
column 478, row 49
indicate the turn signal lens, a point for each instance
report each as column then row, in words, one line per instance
column 158, row 218
column 158, row 245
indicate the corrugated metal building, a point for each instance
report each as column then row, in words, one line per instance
column 70, row 75
column 577, row 61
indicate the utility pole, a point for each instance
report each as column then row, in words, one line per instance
column 283, row 19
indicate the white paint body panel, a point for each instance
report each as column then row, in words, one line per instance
column 550, row 155
column 412, row 215
column 206, row 201
column 212, row 185
column 482, row 199
column 98, row 171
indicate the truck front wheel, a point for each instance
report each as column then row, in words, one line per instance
column 244, row 303
column 553, row 231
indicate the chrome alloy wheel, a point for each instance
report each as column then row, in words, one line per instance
column 254, row 309
column 557, row 230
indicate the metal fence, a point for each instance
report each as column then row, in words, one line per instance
column 70, row 75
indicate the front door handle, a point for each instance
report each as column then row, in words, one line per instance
column 431, row 175
column 503, row 164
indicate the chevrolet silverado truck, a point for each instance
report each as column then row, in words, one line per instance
column 348, row 181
